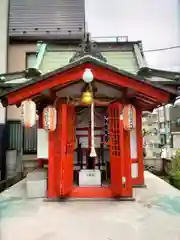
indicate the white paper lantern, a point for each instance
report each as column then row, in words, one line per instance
column 28, row 113
column 88, row 75
column 129, row 117
column 49, row 118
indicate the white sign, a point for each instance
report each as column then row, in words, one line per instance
column 90, row 177
column 42, row 143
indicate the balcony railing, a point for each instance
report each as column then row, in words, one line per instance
column 111, row 39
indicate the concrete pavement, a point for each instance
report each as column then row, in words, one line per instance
column 154, row 215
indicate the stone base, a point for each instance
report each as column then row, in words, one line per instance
column 89, row 199
column 36, row 184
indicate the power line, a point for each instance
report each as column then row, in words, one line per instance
column 161, row 49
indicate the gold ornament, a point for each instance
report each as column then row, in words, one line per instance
column 87, row 97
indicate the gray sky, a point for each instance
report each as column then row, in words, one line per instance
column 155, row 22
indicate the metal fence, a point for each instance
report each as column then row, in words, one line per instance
column 22, row 139
column 30, row 140
column 110, row 39
column 15, row 131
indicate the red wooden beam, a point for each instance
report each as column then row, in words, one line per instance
column 117, row 79
column 66, row 77
column 86, row 128
column 75, row 74
column 143, row 106
column 145, row 100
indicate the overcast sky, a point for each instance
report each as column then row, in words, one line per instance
column 155, row 22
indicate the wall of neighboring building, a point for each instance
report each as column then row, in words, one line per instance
column 175, row 126
column 3, row 68
column 20, row 57
column 29, row 22
column 19, row 51
column 175, row 119
column 13, row 113
column 3, row 46
column 30, row 19
column 3, row 35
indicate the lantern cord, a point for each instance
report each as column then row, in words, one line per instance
column 91, row 88
column 93, row 151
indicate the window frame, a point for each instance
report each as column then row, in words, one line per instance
column 27, row 55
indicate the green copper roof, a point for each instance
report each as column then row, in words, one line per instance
column 124, row 60
column 54, row 60
column 83, row 60
column 57, row 56
column 127, row 56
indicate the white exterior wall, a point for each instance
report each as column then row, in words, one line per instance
column 176, row 141
column 3, row 47
column 2, row 115
column 42, row 143
column 3, row 35
column 161, row 113
column 134, row 154
column 133, row 144
column 19, row 51
column 13, row 113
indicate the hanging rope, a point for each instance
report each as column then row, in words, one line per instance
column 93, row 151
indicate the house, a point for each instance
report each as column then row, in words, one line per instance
column 22, row 25
column 167, row 117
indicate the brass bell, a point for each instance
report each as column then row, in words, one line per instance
column 87, row 97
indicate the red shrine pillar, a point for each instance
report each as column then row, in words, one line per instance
column 140, row 158
column 52, row 181
column 40, row 125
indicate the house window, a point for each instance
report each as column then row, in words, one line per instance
column 178, row 122
column 31, row 59
column 162, row 125
column 162, row 139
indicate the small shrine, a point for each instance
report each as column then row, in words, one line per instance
column 90, row 124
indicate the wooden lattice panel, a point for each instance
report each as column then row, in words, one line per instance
column 114, row 129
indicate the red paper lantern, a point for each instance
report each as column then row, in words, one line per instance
column 28, row 113
column 49, row 118
column 129, row 117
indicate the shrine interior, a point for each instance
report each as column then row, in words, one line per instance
column 82, row 159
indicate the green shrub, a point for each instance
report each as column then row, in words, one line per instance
column 174, row 170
